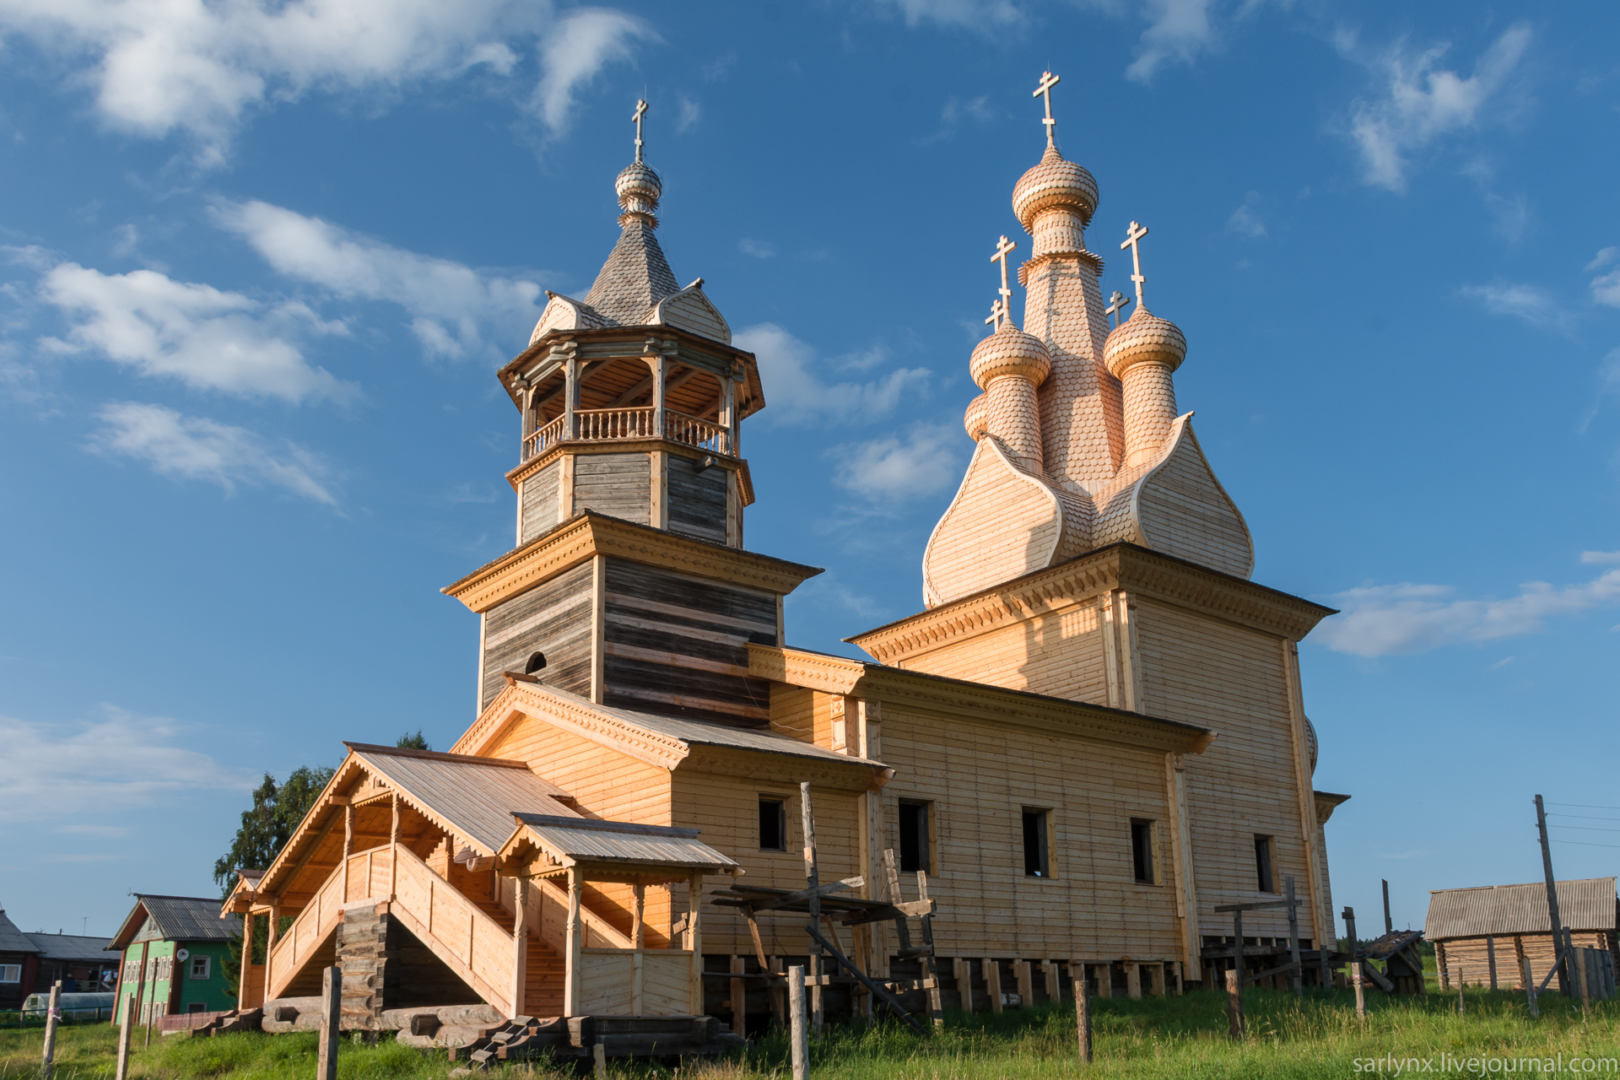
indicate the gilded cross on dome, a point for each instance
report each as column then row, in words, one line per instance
column 1044, row 89
column 1116, row 306
column 998, row 311
column 1003, row 246
column 1132, row 236
column 641, row 110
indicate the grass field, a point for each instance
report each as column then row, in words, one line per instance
column 1148, row 1039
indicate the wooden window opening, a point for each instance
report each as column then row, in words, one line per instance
column 1264, row 860
column 1143, row 866
column 772, row 823
column 1037, row 853
column 916, row 841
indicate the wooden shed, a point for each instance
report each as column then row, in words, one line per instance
column 1483, row 935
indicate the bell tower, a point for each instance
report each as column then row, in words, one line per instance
column 628, row 585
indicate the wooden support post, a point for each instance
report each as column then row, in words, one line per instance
column 1518, row 957
column 125, row 1026
column 1490, row 959
column 800, row 1032
column 1082, row 1011
column 1389, row 923
column 331, row 1006
column 599, row 1061
column 1105, row 980
column 739, row 997
column 1234, row 1004
column 520, row 945
column 1026, row 983
column 962, row 973
column 1462, row 1003
column 1133, row 979
column 992, row 982
column 1175, row 971
column 1049, row 977
column 52, row 1017
column 812, row 879
column 393, row 847
column 930, row 964
column 1582, row 975
column 247, row 957
column 1552, row 897
column 1296, row 973
column 1529, row 984
column 638, row 916
column 1326, row 973
column 1237, row 943
column 1441, row 969
column 694, row 939
column 1361, row 991
column 778, row 991
column 1349, row 914
column 575, row 945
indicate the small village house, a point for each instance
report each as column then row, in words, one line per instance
column 19, row 964
column 31, row 963
column 1483, row 935
column 175, row 951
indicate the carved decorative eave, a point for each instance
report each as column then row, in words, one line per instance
column 533, row 700
column 1326, row 803
column 851, row 773
column 588, row 533
column 745, row 480
column 937, row 694
column 1125, row 566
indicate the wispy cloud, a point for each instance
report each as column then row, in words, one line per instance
column 1381, row 620
column 205, row 337
column 757, row 249
column 982, row 15
column 575, row 50
column 1527, row 303
column 196, row 448
column 917, row 463
column 1178, row 30
column 1246, row 219
column 112, row 761
column 1418, row 101
column 1606, row 280
column 687, row 114
column 958, row 112
column 790, row 367
column 451, row 307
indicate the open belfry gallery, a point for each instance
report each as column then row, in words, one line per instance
column 1089, row 740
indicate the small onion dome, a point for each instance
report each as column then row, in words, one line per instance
column 639, row 188
column 1054, row 182
column 977, row 417
column 1144, row 336
column 1010, row 351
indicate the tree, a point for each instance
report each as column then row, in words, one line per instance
column 413, row 741
column 269, row 823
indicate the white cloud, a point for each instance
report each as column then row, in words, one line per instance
column 207, row 338
column 1246, row 219
column 1606, row 288
column 795, row 392
column 688, row 113
column 758, row 249
column 196, row 448
column 1419, row 101
column 1528, row 303
column 575, row 50
column 1600, row 558
column 159, row 67
column 1177, row 30
column 918, row 463
column 972, row 14
column 1603, row 258
column 958, row 111
column 114, row 761
column 1380, row 620
column 451, row 306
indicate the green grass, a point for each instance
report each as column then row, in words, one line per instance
column 1150, row 1039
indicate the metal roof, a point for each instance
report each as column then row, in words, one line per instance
column 587, row 840
column 178, row 918
column 1493, row 910
column 70, row 947
column 13, row 939
column 475, row 797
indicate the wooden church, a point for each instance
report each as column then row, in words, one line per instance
column 1091, row 738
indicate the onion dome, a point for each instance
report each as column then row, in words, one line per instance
column 1144, row 337
column 1056, row 181
column 639, row 189
column 977, row 417
column 1010, row 351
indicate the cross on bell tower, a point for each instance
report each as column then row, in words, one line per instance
column 1003, row 247
column 1133, row 236
column 1116, row 306
column 1044, row 90
column 641, row 110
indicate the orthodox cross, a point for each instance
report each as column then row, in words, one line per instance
column 1003, row 246
column 1048, row 80
column 998, row 311
column 641, row 110
column 1132, row 235
column 1116, row 306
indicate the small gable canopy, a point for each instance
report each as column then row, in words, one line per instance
column 611, row 848
column 177, row 918
column 1501, row 910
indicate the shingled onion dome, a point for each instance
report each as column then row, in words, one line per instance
column 1143, row 353
column 1008, row 366
column 639, row 189
column 1055, row 182
column 977, row 417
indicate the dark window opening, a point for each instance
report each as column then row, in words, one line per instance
column 772, row 824
column 535, row 662
column 1262, row 863
column 1036, row 863
column 914, row 850
column 1142, row 851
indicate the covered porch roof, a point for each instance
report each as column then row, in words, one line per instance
column 544, row 844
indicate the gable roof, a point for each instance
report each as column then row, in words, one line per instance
column 178, row 918
column 1584, row 904
column 13, row 940
column 475, row 797
column 70, row 947
column 570, row 841
column 635, row 276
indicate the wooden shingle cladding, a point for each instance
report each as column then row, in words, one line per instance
column 554, row 618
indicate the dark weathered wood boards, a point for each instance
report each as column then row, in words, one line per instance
column 553, row 618
column 697, row 498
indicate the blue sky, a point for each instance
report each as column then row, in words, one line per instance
column 261, row 260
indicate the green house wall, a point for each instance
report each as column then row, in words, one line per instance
column 215, row 993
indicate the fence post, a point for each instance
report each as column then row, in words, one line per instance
column 1234, row 1003
column 799, row 1032
column 50, row 1030
column 1462, row 1005
column 1361, row 991
column 1082, row 1014
column 125, row 1025
column 1530, row 986
column 331, row 1002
